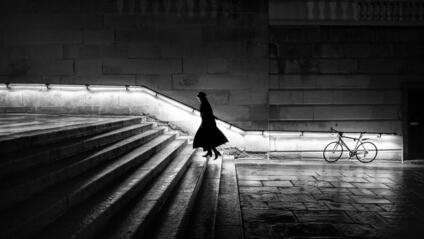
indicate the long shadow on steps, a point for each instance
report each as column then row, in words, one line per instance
column 173, row 220
column 139, row 214
column 202, row 222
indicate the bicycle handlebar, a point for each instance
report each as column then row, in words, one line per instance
column 361, row 134
column 333, row 130
column 341, row 133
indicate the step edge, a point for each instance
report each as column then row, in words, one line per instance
column 82, row 145
column 68, row 203
column 34, row 135
column 211, row 210
column 185, row 218
column 88, row 230
column 69, row 170
column 141, row 226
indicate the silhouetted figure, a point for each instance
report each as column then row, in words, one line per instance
column 208, row 136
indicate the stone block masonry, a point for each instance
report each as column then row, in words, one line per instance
column 258, row 76
column 34, row 36
column 348, row 77
column 220, row 50
column 142, row 66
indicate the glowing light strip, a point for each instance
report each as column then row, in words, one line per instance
column 106, row 88
column 18, row 86
column 282, row 133
column 223, row 124
column 255, row 132
column 175, row 103
column 66, row 87
column 318, row 134
column 386, row 136
column 236, row 129
column 27, row 86
column 149, row 91
column 135, row 89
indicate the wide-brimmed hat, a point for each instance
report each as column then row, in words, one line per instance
column 201, row 94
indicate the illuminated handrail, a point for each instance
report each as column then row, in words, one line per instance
column 174, row 102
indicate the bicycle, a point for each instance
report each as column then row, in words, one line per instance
column 365, row 152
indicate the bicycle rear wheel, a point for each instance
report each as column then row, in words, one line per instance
column 366, row 152
column 333, row 152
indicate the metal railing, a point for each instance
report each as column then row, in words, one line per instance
column 174, row 102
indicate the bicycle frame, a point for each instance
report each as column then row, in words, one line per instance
column 336, row 152
column 344, row 144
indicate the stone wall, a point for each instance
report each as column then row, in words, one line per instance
column 257, row 76
column 175, row 47
column 346, row 77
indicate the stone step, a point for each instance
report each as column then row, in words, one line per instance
column 202, row 221
column 22, row 187
column 174, row 218
column 61, row 150
column 13, row 143
column 90, row 218
column 133, row 221
column 32, row 215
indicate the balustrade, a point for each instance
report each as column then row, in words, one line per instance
column 181, row 8
column 348, row 11
column 371, row 11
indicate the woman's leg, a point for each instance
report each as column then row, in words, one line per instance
column 209, row 153
column 216, row 152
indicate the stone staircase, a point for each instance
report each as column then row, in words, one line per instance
column 118, row 178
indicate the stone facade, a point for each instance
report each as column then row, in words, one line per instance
column 258, row 76
column 350, row 77
column 175, row 47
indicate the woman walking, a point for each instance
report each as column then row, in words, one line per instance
column 208, row 136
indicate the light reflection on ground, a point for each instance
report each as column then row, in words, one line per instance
column 331, row 201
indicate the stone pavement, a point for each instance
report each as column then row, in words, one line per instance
column 331, row 201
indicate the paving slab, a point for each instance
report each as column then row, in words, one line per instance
column 330, row 201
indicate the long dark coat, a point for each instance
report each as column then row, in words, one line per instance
column 208, row 135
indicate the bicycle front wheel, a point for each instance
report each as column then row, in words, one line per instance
column 333, row 152
column 366, row 152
